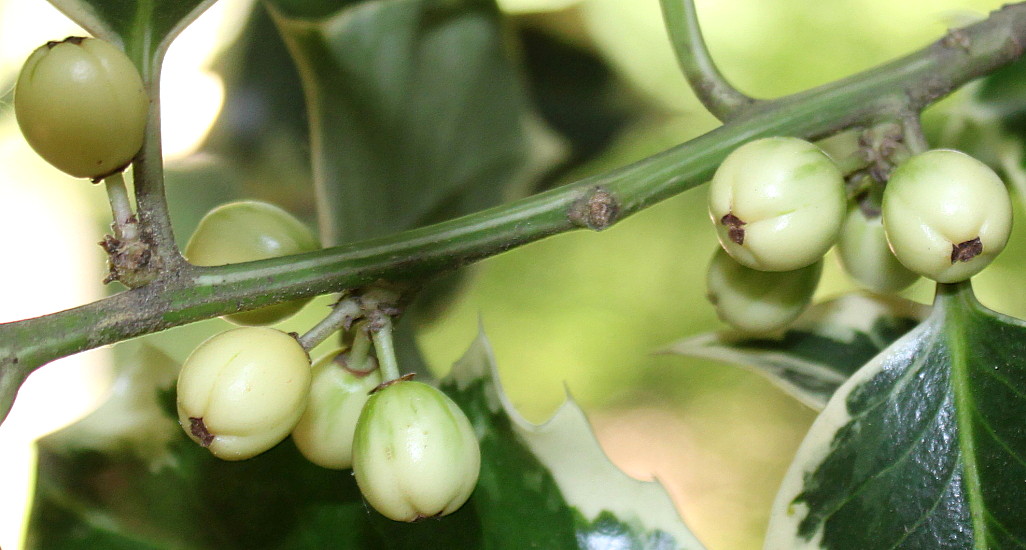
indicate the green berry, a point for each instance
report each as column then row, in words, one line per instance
column 325, row 432
column 247, row 231
column 759, row 301
column 865, row 255
column 242, row 391
column 946, row 215
column 82, row 106
column 415, row 454
column 778, row 204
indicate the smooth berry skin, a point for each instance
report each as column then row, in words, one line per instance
column 415, row 454
column 777, row 203
column 866, row 256
column 759, row 302
column 242, row 392
column 946, row 215
column 324, row 434
column 247, row 231
column 82, row 106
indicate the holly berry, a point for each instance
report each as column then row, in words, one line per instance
column 778, row 204
column 82, row 106
column 946, row 215
column 759, row 301
column 324, row 434
column 247, row 231
column 415, row 454
column 242, row 391
column 865, row 255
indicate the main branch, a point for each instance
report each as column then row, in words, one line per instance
column 195, row 293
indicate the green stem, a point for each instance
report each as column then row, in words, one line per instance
column 342, row 314
column 148, row 173
column 121, row 207
column 194, row 293
column 359, row 353
column 384, row 348
column 912, row 131
column 719, row 96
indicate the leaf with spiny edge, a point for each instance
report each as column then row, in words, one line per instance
column 814, row 356
column 924, row 447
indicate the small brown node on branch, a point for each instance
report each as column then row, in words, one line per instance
column 965, row 251
column 199, row 429
column 957, row 38
column 130, row 261
column 597, row 210
column 735, row 228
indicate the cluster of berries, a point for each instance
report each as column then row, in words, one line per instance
column 780, row 203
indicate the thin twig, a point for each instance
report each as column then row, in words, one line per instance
column 719, row 96
column 912, row 134
column 125, row 225
column 381, row 334
column 341, row 316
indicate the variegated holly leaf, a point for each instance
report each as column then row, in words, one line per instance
column 825, row 346
column 924, row 447
column 585, row 500
column 127, row 477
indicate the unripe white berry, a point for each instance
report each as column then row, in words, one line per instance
column 759, row 301
column 242, row 391
column 946, row 215
column 82, row 106
column 415, row 454
column 865, row 255
column 325, row 432
column 777, row 203
column 246, row 231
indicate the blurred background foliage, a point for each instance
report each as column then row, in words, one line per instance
column 581, row 312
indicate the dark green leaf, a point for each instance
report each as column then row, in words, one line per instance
column 825, row 346
column 143, row 27
column 416, row 112
column 924, row 447
column 577, row 93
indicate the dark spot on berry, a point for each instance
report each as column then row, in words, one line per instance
column 965, row 251
column 199, row 429
column 734, row 228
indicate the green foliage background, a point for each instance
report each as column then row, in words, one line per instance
column 585, row 311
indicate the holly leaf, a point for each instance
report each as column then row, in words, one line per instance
column 555, row 475
column 416, row 112
column 923, row 447
column 818, row 353
column 127, row 477
column 143, row 27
